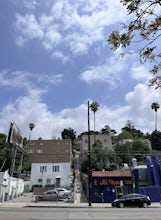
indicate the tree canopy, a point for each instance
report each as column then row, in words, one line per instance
column 101, row 159
column 132, row 149
column 155, row 106
column 155, row 139
column 132, row 130
column 94, row 106
column 107, row 130
column 69, row 133
column 4, row 154
column 125, row 135
column 144, row 28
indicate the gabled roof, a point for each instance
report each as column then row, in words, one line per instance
column 111, row 174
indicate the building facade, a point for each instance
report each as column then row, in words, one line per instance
column 50, row 162
column 104, row 138
column 10, row 187
column 108, row 185
column 148, row 179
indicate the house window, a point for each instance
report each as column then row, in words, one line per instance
column 48, row 181
column 43, row 169
column 39, row 151
column 30, row 151
column 105, row 141
column 86, row 141
column 39, row 180
column 55, row 169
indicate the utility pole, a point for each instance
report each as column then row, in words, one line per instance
column 89, row 160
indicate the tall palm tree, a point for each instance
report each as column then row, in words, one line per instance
column 31, row 126
column 155, row 106
column 94, row 107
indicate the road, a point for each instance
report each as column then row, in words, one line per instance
column 89, row 213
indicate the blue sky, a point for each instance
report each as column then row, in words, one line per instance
column 54, row 58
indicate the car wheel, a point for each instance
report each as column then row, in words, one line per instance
column 145, row 204
column 121, row 205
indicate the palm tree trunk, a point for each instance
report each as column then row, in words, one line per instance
column 155, row 120
column 94, row 129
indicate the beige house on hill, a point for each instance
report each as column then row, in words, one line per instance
column 104, row 138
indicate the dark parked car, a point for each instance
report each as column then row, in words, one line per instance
column 50, row 195
column 133, row 200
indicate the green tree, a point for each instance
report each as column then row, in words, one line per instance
column 5, row 155
column 144, row 27
column 125, row 135
column 123, row 150
column 123, row 146
column 86, row 133
column 132, row 130
column 84, row 163
column 107, row 130
column 2, row 138
column 101, row 159
column 155, row 106
column 69, row 133
column 155, row 139
column 134, row 149
column 140, row 148
column 128, row 126
column 138, row 134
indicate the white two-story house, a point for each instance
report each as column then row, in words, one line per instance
column 50, row 162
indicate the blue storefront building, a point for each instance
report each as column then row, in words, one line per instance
column 145, row 179
column 148, row 180
column 107, row 185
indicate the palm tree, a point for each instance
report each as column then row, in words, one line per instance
column 94, row 107
column 31, row 126
column 155, row 106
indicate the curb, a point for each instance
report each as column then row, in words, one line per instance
column 62, row 205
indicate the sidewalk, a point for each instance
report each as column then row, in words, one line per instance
column 26, row 200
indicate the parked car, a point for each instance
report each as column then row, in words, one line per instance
column 50, row 195
column 63, row 193
column 133, row 199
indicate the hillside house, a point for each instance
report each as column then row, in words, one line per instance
column 104, row 138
